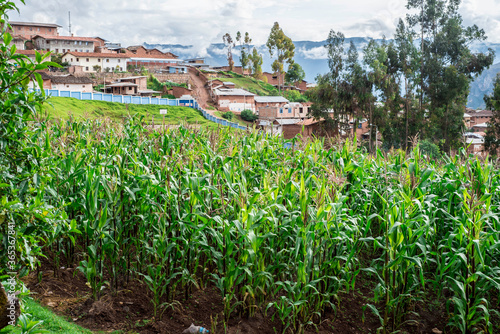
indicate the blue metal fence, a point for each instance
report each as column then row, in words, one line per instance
column 192, row 103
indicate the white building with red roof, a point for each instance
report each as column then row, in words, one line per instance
column 63, row 44
column 89, row 61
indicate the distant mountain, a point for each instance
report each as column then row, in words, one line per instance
column 313, row 58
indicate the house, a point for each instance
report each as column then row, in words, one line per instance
column 196, row 62
column 63, row 44
column 92, row 61
column 65, row 82
column 153, row 59
column 474, row 117
column 19, row 41
column 272, row 78
column 294, row 110
column 362, row 129
column 269, row 101
column 474, row 143
column 135, row 85
column 71, row 82
column 234, row 99
column 307, row 128
column 479, row 127
column 275, row 80
column 28, row 30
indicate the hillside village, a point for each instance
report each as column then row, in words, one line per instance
column 93, row 64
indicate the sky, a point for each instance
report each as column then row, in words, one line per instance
column 201, row 22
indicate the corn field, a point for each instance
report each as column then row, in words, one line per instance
column 278, row 229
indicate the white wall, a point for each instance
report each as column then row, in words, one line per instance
column 103, row 62
column 85, row 88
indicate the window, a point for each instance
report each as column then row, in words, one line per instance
column 86, row 68
column 38, row 29
column 99, row 59
column 83, row 86
column 31, row 29
column 77, row 59
column 301, row 110
column 86, row 43
column 71, row 59
column 87, row 60
column 57, row 50
column 76, row 42
column 107, row 60
column 48, row 42
column 281, row 110
column 118, row 60
column 50, row 29
column 289, row 110
column 64, row 50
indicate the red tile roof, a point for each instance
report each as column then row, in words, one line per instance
column 30, row 52
column 68, row 38
column 97, row 55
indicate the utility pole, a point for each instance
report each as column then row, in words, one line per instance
column 69, row 20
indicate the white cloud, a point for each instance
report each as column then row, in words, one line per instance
column 202, row 22
column 319, row 52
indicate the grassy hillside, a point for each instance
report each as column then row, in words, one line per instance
column 63, row 107
column 252, row 85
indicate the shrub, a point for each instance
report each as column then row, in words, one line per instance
column 430, row 149
column 248, row 115
column 228, row 115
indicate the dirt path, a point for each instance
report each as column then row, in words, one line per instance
column 200, row 92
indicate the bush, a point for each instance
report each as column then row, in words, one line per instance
column 248, row 115
column 430, row 149
column 228, row 115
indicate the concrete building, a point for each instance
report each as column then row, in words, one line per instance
column 234, row 99
column 269, row 101
column 65, row 82
column 63, row 44
column 293, row 110
column 90, row 61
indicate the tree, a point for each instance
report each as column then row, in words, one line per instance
column 245, row 49
column 18, row 162
column 248, row 115
column 294, row 74
column 229, row 43
column 256, row 60
column 284, row 48
column 492, row 138
column 447, row 66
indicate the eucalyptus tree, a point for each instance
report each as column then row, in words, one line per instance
column 447, row 66
column 280, row 44
column 229, row 43
column 244, row 49
column 492, row 138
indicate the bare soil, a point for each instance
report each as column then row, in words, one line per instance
column 131, row 311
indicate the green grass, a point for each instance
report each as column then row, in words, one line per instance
column 253, row 85
column 63, row 107
column 52, row 323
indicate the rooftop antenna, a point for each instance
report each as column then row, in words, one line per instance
column 69, row 20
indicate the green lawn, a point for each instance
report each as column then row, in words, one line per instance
column 52, row 323
column 63, row 107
